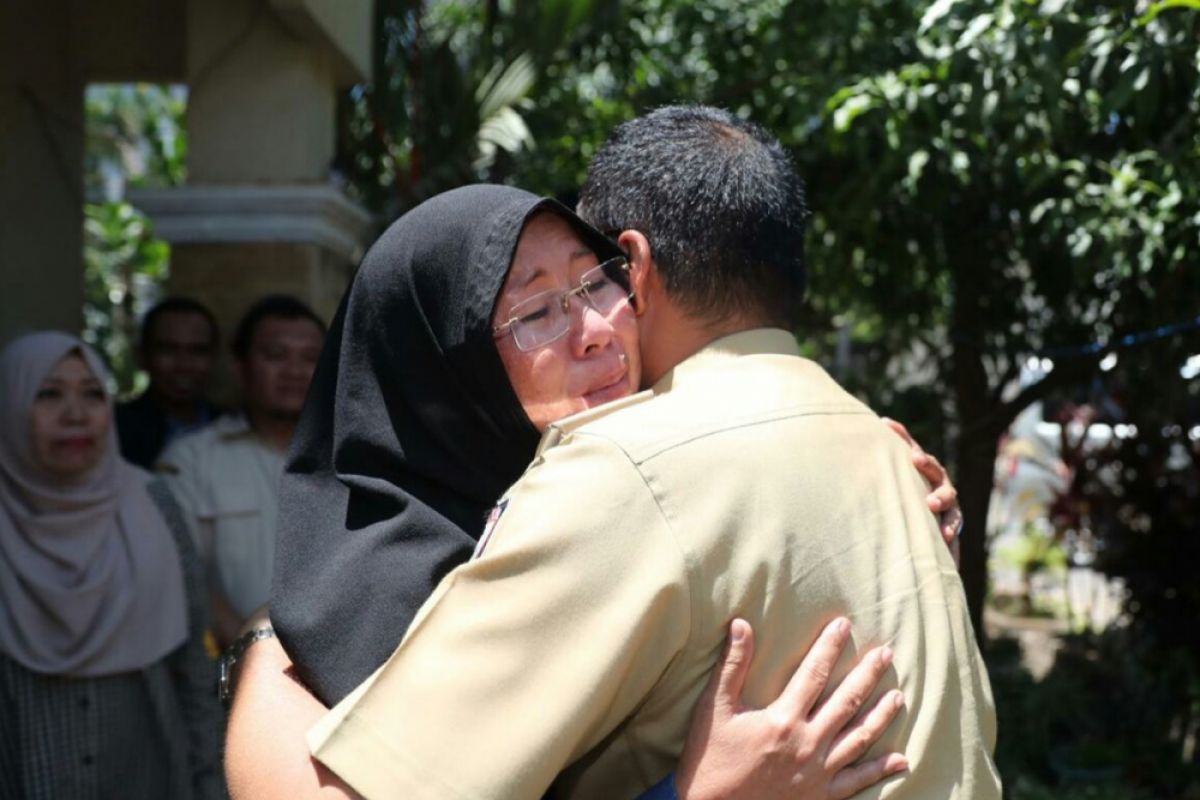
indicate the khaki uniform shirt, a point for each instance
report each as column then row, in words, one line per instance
column 227, row 482
column 745, row 483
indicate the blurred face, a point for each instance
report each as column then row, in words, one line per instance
column 179, row 356
column 279, row 365
column 596, row 361
column 70, row 420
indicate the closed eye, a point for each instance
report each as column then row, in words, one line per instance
column 536, row 315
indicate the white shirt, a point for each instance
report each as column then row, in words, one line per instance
column 227, row 481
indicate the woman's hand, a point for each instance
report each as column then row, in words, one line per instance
column 795, row 747
column 266, row 755
column 943, row 497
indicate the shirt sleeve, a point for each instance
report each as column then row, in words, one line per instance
column 531, row 654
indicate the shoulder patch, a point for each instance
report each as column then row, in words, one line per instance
column 493, row 518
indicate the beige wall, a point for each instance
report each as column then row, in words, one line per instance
column 219, row 273
column 343, row 26
column 261, row 101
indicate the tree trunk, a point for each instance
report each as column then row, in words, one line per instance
column 975, row 408
column 976, row 459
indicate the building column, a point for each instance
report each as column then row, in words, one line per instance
column 41, row 170
column 259, row 214
column 231, row 244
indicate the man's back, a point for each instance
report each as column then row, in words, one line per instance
column 749, row 484
column 792, row 504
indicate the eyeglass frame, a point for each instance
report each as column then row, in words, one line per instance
column 564, row 298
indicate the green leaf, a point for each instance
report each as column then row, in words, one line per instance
column 1166, row 5
column 935, row 13
column 851, row 109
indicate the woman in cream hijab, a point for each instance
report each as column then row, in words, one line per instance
column 105, row 688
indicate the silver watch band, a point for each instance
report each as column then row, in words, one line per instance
column 232, row 655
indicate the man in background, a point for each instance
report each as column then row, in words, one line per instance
column 178, row 348
column 226, row 477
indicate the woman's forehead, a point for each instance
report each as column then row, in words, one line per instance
column 72, row 366
column 548, row 248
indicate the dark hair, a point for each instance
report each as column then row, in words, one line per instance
column 282, row 306
column 175, row 305
column 720, row 203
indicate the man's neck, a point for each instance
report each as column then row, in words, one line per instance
column 674, row 336
column 274, row 430
column 185, row 412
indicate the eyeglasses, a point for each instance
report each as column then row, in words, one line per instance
column 546, row 317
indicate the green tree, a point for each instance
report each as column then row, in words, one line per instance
column 452, row 82
column 134, row 136
column 1025, row 185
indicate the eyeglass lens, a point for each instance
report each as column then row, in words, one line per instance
column 546, row 316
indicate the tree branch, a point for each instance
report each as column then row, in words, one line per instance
column 1065, row 374
column 1010, row 374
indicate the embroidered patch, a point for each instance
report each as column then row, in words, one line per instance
column 489, row 526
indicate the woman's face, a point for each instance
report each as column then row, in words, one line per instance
column 70, row 420
column 597, row 361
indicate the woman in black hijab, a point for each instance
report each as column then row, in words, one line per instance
column 411, row 432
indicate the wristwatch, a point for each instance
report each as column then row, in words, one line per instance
column 231, row 656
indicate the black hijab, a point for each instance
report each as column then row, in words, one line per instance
column 410, row 433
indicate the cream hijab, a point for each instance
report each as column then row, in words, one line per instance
column 90, row 579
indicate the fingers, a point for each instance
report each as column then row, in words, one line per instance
column 934, row 474
column 942, row 499
column 713, row 716
column 852, row 780
column 851, row 695
column 951, row 523
column 857, row 738
column 725, row 686
column 809, row 680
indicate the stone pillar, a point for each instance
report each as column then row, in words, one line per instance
column 259, row 214
column 261, row 100
column 41, row 169
column 233, row 244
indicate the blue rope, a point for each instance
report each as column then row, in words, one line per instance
column 1127, row 341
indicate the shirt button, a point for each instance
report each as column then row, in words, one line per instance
column 87, row 761
column 84, row 702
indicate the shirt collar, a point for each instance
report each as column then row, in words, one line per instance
column 757, row 341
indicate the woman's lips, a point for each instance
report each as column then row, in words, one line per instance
column 75, row 443
column 613, row 387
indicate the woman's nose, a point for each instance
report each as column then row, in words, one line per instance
column 593, row 331
column 72, row 409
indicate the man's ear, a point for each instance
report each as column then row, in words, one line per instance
column 641, row 264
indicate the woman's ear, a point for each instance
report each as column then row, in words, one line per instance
column 641, row 262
